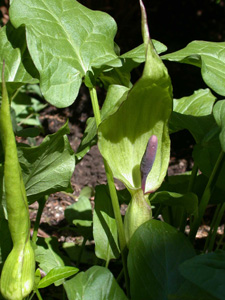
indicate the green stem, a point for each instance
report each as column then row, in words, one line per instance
column 38, row 218
column 32, row 295
column 183, row 218
column 220, row 241
column 217, row 223
column 194, row 173
column 39, row 295
column 112, row 191
column 95, row 106
column 157, row 211
column 81, row 252
column 206, row 196
column 212, row 225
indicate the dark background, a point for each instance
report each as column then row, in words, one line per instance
column 174, row 23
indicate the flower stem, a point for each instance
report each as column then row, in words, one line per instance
column 112, row 191
column 38, row 295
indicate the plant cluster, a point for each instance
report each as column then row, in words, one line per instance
column 60, row 45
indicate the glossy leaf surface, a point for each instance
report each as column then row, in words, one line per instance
column 65, row 40
column 97, row 283
column 56, row 274
column 209, row 56
column 191, row 111
column 155, row 253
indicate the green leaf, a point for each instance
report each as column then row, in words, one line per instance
column 26, row 109
column 189, row 112
column 136, row 56
column 116, row 94
column 188, row 201
column 190, row 291
column 207, row 271
column 123, row 136
column 104, row 226
column 48, row 256
column 80, row 212
column 66, row 41
column 206, row 153
column 37, row 278
column 56, row 274
column 155, row 252
column 219, row 115
column 209, row 56
column 130, row 60
column 97, row 283
column 15, row 72
column 47, row 168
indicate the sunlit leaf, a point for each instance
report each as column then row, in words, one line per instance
column 190, row 113
column 209, row 56
column 66, row 41
column 97, row 283
column 56, row 274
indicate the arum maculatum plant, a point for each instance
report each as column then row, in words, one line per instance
column 138, row 151
column 61, row 44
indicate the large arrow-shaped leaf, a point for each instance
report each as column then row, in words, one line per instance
column 65, row 40
column 209, row 56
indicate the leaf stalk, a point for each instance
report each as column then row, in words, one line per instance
column 113, row 193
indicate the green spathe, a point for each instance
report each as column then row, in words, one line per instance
column 138, row 212
column 124, row 135
column 17, row 278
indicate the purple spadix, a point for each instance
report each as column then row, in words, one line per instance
column 148, row 159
